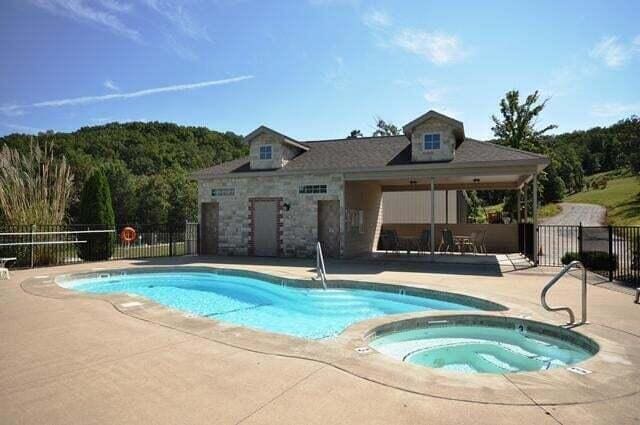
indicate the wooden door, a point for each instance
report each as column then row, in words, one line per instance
column 329, row 227
column 266, row 228
column 209, row 216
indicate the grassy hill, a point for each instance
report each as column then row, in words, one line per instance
column 621, row 197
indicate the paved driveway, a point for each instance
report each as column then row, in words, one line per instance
column 574, row 214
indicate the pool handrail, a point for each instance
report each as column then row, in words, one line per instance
column 320, row 270
column 556, row 278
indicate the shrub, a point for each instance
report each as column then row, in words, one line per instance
column 595, row 260
column 96, row 209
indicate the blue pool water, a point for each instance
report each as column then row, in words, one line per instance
column 248, row 301
column 480, row 349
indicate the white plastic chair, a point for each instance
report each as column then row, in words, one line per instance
column 4, row 272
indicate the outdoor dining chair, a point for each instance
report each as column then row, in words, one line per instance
column 480, row 242
column 425, row 241
column 447, row 241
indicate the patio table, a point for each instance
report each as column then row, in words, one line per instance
column 461, row 241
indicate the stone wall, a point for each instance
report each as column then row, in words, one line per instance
column 366, row 197
column 447, row 141
column 299, row 223
column 281, row 153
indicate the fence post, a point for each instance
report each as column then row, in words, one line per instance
column 170, row 240
column 610, row 253
column 580, row 241
column 33, row 229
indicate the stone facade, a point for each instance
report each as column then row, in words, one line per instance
column 281, row 152
column 447, row 141
column 299, row 223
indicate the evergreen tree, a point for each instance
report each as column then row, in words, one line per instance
column 96, row 211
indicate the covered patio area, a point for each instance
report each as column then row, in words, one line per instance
column 436, row 193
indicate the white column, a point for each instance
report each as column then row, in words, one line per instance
column 535, row 219
column 433, row 216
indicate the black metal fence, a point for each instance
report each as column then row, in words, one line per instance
column 613, row 251
column 48, row 245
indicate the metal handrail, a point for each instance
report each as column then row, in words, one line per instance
column 556, row 278
column 320, row 270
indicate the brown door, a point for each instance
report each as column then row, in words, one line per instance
column 329, row 227
column 266, row 228
column 209, row 228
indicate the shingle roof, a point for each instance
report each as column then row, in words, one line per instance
column 370, row 153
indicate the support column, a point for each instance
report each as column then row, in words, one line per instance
column 526, row 206
column 446, row 207
column 433, row 216
column 519, row 205
column 535, row 219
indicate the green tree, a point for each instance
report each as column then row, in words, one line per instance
column 354, row 134
column 516, row 126
column 96, row 211
column 384, row 128
column 123, row 192
column 183, row 199
column 153, row 200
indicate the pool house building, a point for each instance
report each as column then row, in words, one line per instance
column 288, row 194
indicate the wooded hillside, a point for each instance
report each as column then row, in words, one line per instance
column 146, row 163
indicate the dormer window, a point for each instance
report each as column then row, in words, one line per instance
column 265, row 152
column 431, row 141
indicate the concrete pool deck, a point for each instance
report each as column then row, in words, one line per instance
column 69, row 358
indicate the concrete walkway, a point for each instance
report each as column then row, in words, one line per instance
column 81, row 361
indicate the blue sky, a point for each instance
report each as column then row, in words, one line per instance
column 312, row 69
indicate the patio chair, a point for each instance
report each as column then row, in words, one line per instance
column 480, row 240
column 424, row 244
column 390, row 240
column 4, row 271
column 447, row 242
column 470, row 243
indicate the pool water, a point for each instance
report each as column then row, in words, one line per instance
column 259, row 304
column 480, row 349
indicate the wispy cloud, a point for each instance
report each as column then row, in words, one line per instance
column 434, row 95
column 21, row 128
column 437, row 47
column 615, row 109
column 613, row 52
column 102, row 13
column 376, row 19
column 176, row 13
column 109, row 84
column 9, row 109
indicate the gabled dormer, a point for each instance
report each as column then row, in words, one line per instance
column 270, row 150
column 434, row 137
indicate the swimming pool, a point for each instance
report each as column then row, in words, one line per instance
column 485, row 344
column 263, row 303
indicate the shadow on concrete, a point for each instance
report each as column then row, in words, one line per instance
column 340, row 266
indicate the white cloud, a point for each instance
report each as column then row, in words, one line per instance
column 100, row 13
column 176, row 13
column 613, row 52
column 21, row 128
column 376, row 19
column 615, row 109
column 435, row 95
column 438, row 48
column 109, row 84
column 9, row 109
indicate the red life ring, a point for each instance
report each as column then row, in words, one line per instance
column 128, row 234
